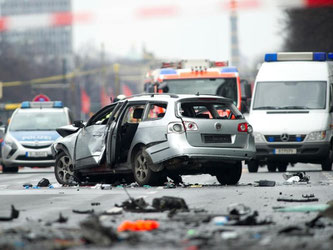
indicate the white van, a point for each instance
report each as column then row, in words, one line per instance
column 291, row 111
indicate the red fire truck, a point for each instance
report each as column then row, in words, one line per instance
column 199, row 76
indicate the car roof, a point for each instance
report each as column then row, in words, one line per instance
column 175, row 97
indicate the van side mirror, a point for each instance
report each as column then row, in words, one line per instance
column 331, row 109
column 78, row 124
column 246, row 89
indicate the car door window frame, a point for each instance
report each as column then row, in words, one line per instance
column 100, row 115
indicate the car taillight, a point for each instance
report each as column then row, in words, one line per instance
column 176, row 127
column 190, row 126
column 244, row 127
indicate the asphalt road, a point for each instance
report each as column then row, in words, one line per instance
column 40, row 208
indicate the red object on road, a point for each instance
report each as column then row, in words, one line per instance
column 138, row 225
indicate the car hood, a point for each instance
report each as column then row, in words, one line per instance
column 291, row 123
column 34, row 135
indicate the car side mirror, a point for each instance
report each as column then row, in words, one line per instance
column 78, row 124
column 2, row 131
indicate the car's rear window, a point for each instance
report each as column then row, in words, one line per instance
column 42, row 120
column 209, row 110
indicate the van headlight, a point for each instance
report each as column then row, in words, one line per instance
column 317, row 136
column 258, row 137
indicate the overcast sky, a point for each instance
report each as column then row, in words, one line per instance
column 177, row 29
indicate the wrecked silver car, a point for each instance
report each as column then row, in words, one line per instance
column 152, row 136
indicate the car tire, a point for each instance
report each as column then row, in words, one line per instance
column 282, row 167
column 64, row 169
column 9, row 170
column 326, row 165
column 230, row 174
column 271, row 167
column 253, row 166
column 143, row 174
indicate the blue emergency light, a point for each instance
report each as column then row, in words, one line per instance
column 319, row 56
column 295, row 56
column 58, row 104
column 43, row 104
column 25, row 105
column 330, row 56
column 229, row 70
column 168, row 72
column 271, row 57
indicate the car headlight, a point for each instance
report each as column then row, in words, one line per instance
column 317, row 136
column 10, row 143
column 258, row 137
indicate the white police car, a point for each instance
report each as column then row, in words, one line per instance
column 30, row 134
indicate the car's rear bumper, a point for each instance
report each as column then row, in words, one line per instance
column 176, row 147
column 313, row 152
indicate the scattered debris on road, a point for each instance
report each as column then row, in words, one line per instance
column 265, row 183
column 27, row 185
column 89, row 211
column 95, row 203
column 138, row 225
column 43, row 183
column 14, row 214
column 305, row 198
column 170, row 203
column 296, row 177
column 303, row 208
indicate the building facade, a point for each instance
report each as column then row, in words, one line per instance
column 40, row 41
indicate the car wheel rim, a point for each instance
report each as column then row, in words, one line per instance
column 141, row 169
column 65, row 169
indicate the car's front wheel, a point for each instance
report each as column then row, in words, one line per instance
column 64, row 169
column 229, row 174
column 9, row 170
column 143, row 174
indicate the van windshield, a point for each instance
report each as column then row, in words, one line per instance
column 226, row 87
column 290, row 95
column 41, row 120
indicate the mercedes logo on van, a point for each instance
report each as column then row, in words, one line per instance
column 284, row 137
column 218, row 126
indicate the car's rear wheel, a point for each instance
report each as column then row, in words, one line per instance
column 271, row 167
column 9, row 170
column 229, row 174
column 326, row 165
column 253, row 166
column 64, row 169
column 143, row 174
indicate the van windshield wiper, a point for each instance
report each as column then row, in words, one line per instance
column 294, row 107
column 267, row 107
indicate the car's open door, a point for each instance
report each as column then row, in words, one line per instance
column 90, row 143
column 111, row 139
